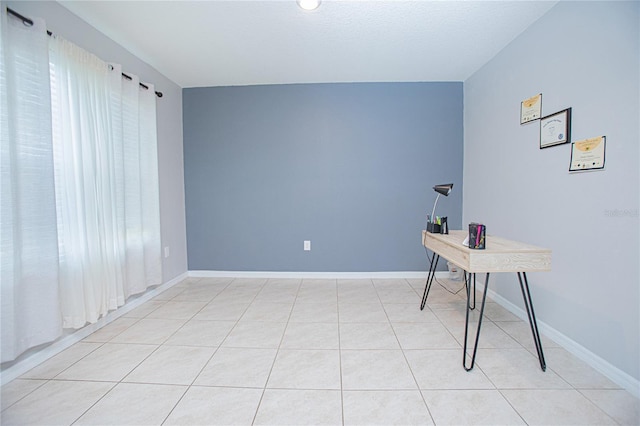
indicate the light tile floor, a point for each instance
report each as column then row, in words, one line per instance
column 257, row 351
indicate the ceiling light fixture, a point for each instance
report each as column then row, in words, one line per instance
column 309, row 4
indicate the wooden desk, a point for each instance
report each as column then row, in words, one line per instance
column 500, row 255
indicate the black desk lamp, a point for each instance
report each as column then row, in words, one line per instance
column 441, row 190
column 445, row 190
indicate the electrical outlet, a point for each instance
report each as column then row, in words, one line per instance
column 166, row 252
column 307, row 245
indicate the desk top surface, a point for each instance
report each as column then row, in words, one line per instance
column 500, row 254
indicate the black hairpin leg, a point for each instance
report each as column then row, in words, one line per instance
column 526, row 296
column 467, row 283
column 430, row 276
column 466, row 325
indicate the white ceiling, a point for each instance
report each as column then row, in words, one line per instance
column 228, row 43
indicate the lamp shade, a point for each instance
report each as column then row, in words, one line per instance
column 443, row 189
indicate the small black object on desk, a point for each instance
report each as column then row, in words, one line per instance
column 477, row 234
column 438, row 228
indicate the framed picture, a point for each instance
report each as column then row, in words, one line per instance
column 530, row 109
column 588, row 154
column 555, row 129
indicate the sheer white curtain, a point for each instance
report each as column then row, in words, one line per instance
column 106, row 184
column 80, row 216
column 91, row 255
column 141, row 189
column 30, row 310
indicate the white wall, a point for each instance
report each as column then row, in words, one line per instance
column 583, row 55
column 169, row 113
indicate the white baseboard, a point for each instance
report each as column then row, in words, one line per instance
column 616, row 375
column 64, row 342
column 314, row 275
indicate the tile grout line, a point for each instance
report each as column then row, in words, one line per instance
column 95, row 403
column 501, row 390
column 204, row 364
column 51, row 379
column 45, row 381
column 405, row 356
column 495, row 388
column 266, row 383
column 118, row 382
column 71, row 365
column 233, row 328
column 340, row 354
column 595, row 405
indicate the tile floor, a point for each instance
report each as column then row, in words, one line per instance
column 257, row 351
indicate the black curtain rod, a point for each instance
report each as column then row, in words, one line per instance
column 29, row 22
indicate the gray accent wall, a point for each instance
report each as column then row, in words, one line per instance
column 583, row 55
column 169, row 115
column 349, row 167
